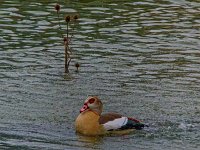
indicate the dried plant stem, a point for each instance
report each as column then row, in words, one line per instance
column 66, row 59
column 68, row 30
column 67, row 51
column 67, row 39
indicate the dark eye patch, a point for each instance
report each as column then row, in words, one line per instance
column 91, row 100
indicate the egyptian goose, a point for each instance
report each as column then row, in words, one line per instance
column 91, row 122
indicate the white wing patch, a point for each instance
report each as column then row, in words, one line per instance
column 115, row 124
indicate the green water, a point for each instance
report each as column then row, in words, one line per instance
column 142, row 58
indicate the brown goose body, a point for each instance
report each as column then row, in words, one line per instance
column 91, row 122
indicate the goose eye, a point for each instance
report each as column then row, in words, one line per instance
column 91, row 100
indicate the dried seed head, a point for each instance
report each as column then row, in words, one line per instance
column 57, row 7
column 65, row 39
column 77, row 65
column 67, row 18
column 75, row 17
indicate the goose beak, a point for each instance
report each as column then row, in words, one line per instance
column 84, row 108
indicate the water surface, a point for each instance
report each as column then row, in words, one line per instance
column 141, row 58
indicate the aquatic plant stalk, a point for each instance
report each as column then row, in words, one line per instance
column 67, row 39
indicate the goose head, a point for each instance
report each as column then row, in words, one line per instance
column 92, row 103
